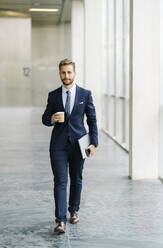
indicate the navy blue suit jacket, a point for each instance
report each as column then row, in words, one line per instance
column 74, row 125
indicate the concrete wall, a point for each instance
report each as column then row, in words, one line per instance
column 30, row 55
column 50, row 44
column 15, row 62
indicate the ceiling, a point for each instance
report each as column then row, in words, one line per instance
column 21, row 7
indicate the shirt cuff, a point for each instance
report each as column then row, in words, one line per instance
column 53, row 123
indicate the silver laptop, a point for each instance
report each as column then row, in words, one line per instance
column 84, row 142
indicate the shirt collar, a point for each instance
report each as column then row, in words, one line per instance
column 73, row 88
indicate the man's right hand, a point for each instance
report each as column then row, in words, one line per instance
column 55, row 118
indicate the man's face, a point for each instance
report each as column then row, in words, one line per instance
column 67, row 74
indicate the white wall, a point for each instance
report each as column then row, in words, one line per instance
column 161, row 89
column 161, row 53
column 93, row 52
column 77, row 34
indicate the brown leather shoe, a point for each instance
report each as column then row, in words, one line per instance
column 60, row 228
column 74, row 218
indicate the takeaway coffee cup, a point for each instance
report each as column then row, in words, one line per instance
column 61, row 116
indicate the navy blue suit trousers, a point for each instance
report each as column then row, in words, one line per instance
column 63, row 162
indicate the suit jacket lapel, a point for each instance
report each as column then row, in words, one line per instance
column 76, row 99
column 60, row 99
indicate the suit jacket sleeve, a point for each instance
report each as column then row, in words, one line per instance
column 91, row 120
column 46, row 117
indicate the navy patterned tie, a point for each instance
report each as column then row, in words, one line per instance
column 67, row 105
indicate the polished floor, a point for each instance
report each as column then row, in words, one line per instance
column 115, row 212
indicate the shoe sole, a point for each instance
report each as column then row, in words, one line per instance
column 59, row 231
column 74, row 222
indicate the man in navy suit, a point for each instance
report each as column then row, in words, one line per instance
column 64, row 149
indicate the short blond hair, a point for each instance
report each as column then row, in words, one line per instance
column 66, row 62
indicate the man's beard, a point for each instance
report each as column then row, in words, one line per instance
column 68, row 82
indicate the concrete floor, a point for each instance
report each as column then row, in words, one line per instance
column 115, row 212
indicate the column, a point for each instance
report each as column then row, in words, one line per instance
column 144, row 90
column 77, row 32
column 93, row 53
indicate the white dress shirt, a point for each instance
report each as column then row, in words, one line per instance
column 73, row 94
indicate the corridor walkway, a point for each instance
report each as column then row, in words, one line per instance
column 115, row 212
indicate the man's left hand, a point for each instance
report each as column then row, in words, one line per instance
column 92, row 150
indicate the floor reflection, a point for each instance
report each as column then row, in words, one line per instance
column 115, row 211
